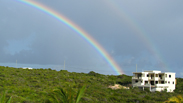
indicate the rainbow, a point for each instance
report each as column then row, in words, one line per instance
column 138, row 29
column 78, row 30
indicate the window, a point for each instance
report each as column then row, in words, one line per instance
column 160, row 76
column 165, row 81
column 156, row 82
column 173, row 82
column 139, row 75
column 147, row 75
column 168, row 82
column 136, row 81
column 169, row 76
column 152, row 82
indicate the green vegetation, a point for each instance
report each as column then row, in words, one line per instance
column 61, row 96
column 175, row 99
column 3, row 98
column 46, row 85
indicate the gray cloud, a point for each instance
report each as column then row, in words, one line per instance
column 34, row 37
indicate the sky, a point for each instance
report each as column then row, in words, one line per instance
column 144, row 32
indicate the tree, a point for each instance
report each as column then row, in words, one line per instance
column 176, row 99
column 61, row 96
column 3, row 98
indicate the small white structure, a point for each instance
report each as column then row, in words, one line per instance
column 154, row 80
column 27, row 68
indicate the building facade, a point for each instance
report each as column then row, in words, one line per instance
column 154, row 80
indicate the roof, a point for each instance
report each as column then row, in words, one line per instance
column 154, row 71
column 151, row 71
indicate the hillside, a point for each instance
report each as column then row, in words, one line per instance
column 35, row 85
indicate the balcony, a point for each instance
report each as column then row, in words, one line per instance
column 156, row 78
column 137, row 84
column 161, row 85
column 150, row 77
column 136, row 77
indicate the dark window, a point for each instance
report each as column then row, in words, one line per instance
column 160, row 76
column 173, row 82
column 139, row 75
column 168, row 82
column 169, row 76
column 136, row 81
column 156, row 82
column 152, row 82
column 147, row 75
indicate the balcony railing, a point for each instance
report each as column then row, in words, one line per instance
column 137, row 84
column 161, row 85
column 136, row 77
column 157, row 78
column 150, row 77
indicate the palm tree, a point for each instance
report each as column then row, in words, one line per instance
column 61, row 96
column 3, row 98
column 176, row 99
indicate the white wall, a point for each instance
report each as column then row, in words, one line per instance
column 170, row 80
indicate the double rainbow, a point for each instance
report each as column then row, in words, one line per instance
column 78, row 30
column 139, row 30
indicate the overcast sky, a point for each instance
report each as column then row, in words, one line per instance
column 145, row 32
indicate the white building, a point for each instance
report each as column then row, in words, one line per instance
column 26, row 68
column 154, row 80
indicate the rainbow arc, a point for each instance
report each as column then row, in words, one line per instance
column 78, row 30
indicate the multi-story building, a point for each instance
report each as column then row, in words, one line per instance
column 154, row 80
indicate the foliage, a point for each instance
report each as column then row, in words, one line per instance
column 80, row 94
column 61, row 96
column 36, row 85
column 176, row 99
column 3, row 98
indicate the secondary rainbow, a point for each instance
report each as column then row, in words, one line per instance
column 139, row 30
column 79, row 31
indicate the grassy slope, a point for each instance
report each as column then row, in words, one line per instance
column 34, row 86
